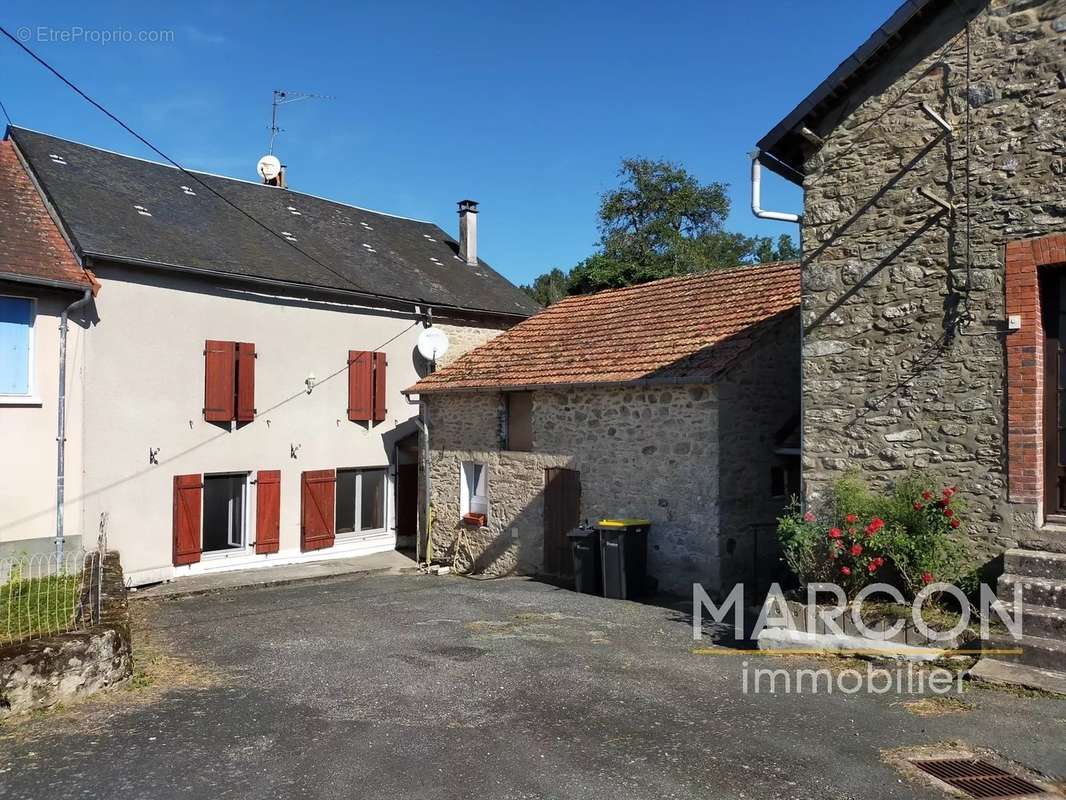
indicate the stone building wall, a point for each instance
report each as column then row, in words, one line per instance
column 759, row 401
column 641, row 452
column 464, row 336
column 904, row 363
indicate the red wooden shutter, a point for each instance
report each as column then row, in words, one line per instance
column 317, row 508
column 267, row 510
column 379, row 387
column 188, row 493
column 218, row 380
column 245, row 382
column 360, row 385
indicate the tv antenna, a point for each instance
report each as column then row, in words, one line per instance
column 281, row 98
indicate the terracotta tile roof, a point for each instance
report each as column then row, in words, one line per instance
column 30, row 243
column 677, row 329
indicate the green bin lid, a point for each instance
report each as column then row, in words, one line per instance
column 623, row 523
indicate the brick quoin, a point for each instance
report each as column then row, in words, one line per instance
column 1025, row 364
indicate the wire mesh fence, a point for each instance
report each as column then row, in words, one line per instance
column 43, row 595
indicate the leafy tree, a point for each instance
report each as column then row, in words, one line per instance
column 659, row 222
column 551, row 287
column 765, row 251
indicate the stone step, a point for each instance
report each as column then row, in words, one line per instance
column 1047, row 623
column 993, row 670
column 1050, row 538
column 1035, row 651
column 1035, row 563
column 1046, row 592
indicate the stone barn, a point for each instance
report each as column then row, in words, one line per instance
column 676, row 400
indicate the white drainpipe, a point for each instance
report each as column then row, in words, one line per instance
column 61, row 435
column 756, row 194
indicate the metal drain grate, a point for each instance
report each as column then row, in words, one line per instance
column 977, row 778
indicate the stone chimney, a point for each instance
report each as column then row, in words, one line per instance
column 468, row 232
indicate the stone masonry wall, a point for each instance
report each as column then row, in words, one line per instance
column 757, row 400
column 39, row 673
column 904, row 364
column 641, row 452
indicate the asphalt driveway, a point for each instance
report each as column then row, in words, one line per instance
column 417, row 687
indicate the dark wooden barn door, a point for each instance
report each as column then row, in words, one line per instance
column 406, row 499
column 562, row 513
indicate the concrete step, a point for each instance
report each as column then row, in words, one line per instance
column 1050, row 538
column 1046, row 592
column 1035, row 563
column 993, row 670
column 1047, row 623
column 1035, row 651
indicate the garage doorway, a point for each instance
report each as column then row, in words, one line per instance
column 562, row 513
column 225, row 512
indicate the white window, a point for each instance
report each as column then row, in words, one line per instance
column 474, row 489
column 361, row 497
column 17, row 317
column 225, row 512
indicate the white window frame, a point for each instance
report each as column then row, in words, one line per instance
column 470, row 502
column 234, row 550
column 31, row 368
column 358, row 518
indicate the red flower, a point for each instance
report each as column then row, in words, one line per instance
column 949, row 512
column 872, row 567
column 850, row 518
column 834, row 533
column 949, row 492
column 918, row 506
column 808, row 517
column 927, row 495
column 955, row 522
column 875, row 525
column 845, row 570
column 927, row 578
column 856, row 550
column 838, row 544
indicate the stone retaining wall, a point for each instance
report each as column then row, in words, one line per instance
column 40, row 673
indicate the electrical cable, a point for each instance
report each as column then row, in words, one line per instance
column 190, row 175
column 6, row 115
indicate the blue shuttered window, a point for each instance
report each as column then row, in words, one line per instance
column 16, row 345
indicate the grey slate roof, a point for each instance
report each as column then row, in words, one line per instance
column 96, row 194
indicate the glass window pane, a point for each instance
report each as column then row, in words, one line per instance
column 372, row 494
column 16, row 321
column 346, row 500
column 1062, row 445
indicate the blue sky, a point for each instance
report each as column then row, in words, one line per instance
column 526, row 107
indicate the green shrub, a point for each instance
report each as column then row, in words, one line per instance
column 908, row 537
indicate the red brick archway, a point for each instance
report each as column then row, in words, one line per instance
column 1025, row 364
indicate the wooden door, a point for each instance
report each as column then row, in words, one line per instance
column 562, row 513
column 406, row 499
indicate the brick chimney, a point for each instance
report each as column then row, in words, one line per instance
column 468, row 231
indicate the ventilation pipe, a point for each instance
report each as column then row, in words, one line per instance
column 756, row 194
column 61, row 425
column 468, row 232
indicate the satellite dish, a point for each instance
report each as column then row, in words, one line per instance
column 268, row 167
column 432, row 344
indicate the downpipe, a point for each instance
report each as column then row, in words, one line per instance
column 61, row 434
column 756, row 196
